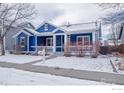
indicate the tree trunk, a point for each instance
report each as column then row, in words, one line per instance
column 2, row 47
column 114, row 37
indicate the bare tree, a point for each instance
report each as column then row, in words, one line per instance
column 12, row 15
column 117, row 6
column 114, row 16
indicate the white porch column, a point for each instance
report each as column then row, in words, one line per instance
column 35, row 43
column 93, row 36
column 54, row 43
column 65, row 39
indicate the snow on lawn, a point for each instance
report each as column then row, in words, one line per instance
column 19, row 59
column 17, row 77
column 115, row 61
column 82, row 63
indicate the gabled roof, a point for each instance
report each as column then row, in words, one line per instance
column 32, row 31
column 44, row 22
column 59, row 28
column 80, row 27
column 28, row 32
column 22, row 31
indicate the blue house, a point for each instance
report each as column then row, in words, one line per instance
column 55, row 38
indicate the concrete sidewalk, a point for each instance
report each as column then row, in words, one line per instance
column 80, row 74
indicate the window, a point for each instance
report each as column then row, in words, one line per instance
column 22, row 41
column 86, row 40
column 83, row 40
column 80, row 41
column 46, row 27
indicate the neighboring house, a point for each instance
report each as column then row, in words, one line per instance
column 9, row 41
column 54, row 38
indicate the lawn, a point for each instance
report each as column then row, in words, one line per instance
column 19, row 59
column 102, row 63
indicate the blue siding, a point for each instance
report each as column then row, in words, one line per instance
column 59, row 31
column 31, row 43
column 50, row 28
column 18, row 40
column 73, row 37
column 41, row 40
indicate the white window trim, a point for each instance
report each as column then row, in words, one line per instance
column 21, row 40
column 83, row 38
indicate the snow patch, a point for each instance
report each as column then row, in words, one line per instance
column 81, row 63
column 19, row 59
column 18, row 77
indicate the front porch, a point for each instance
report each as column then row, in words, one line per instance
column 58, row 43
column 52, row 43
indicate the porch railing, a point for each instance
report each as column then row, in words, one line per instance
column 48, row 49
column 75, row 49
column 71, row 48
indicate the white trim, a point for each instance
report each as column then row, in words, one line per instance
column 81, row 31
column 22, row 31
column 60, row 34
column 28, row 43
column 54, row 43
column 65, row 39
column 93, row 36
column 34, row 32
column 58, row 28
column 36, row 43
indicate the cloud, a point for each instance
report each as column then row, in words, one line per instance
column 60, row 14
column 76, row 13
column 46, row 12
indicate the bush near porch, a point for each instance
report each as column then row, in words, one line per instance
column 121, row 49
column 78, row 50
column 111, row 49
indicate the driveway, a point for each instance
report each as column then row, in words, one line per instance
column 80, row 74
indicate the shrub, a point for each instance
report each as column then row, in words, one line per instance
column 80, row 50
column 95, row 50
column 66, row 50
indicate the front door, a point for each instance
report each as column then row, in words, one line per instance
column 59, row 43
column 49, row 44
column 49, row 41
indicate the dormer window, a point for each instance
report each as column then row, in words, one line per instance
column 46, row 27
